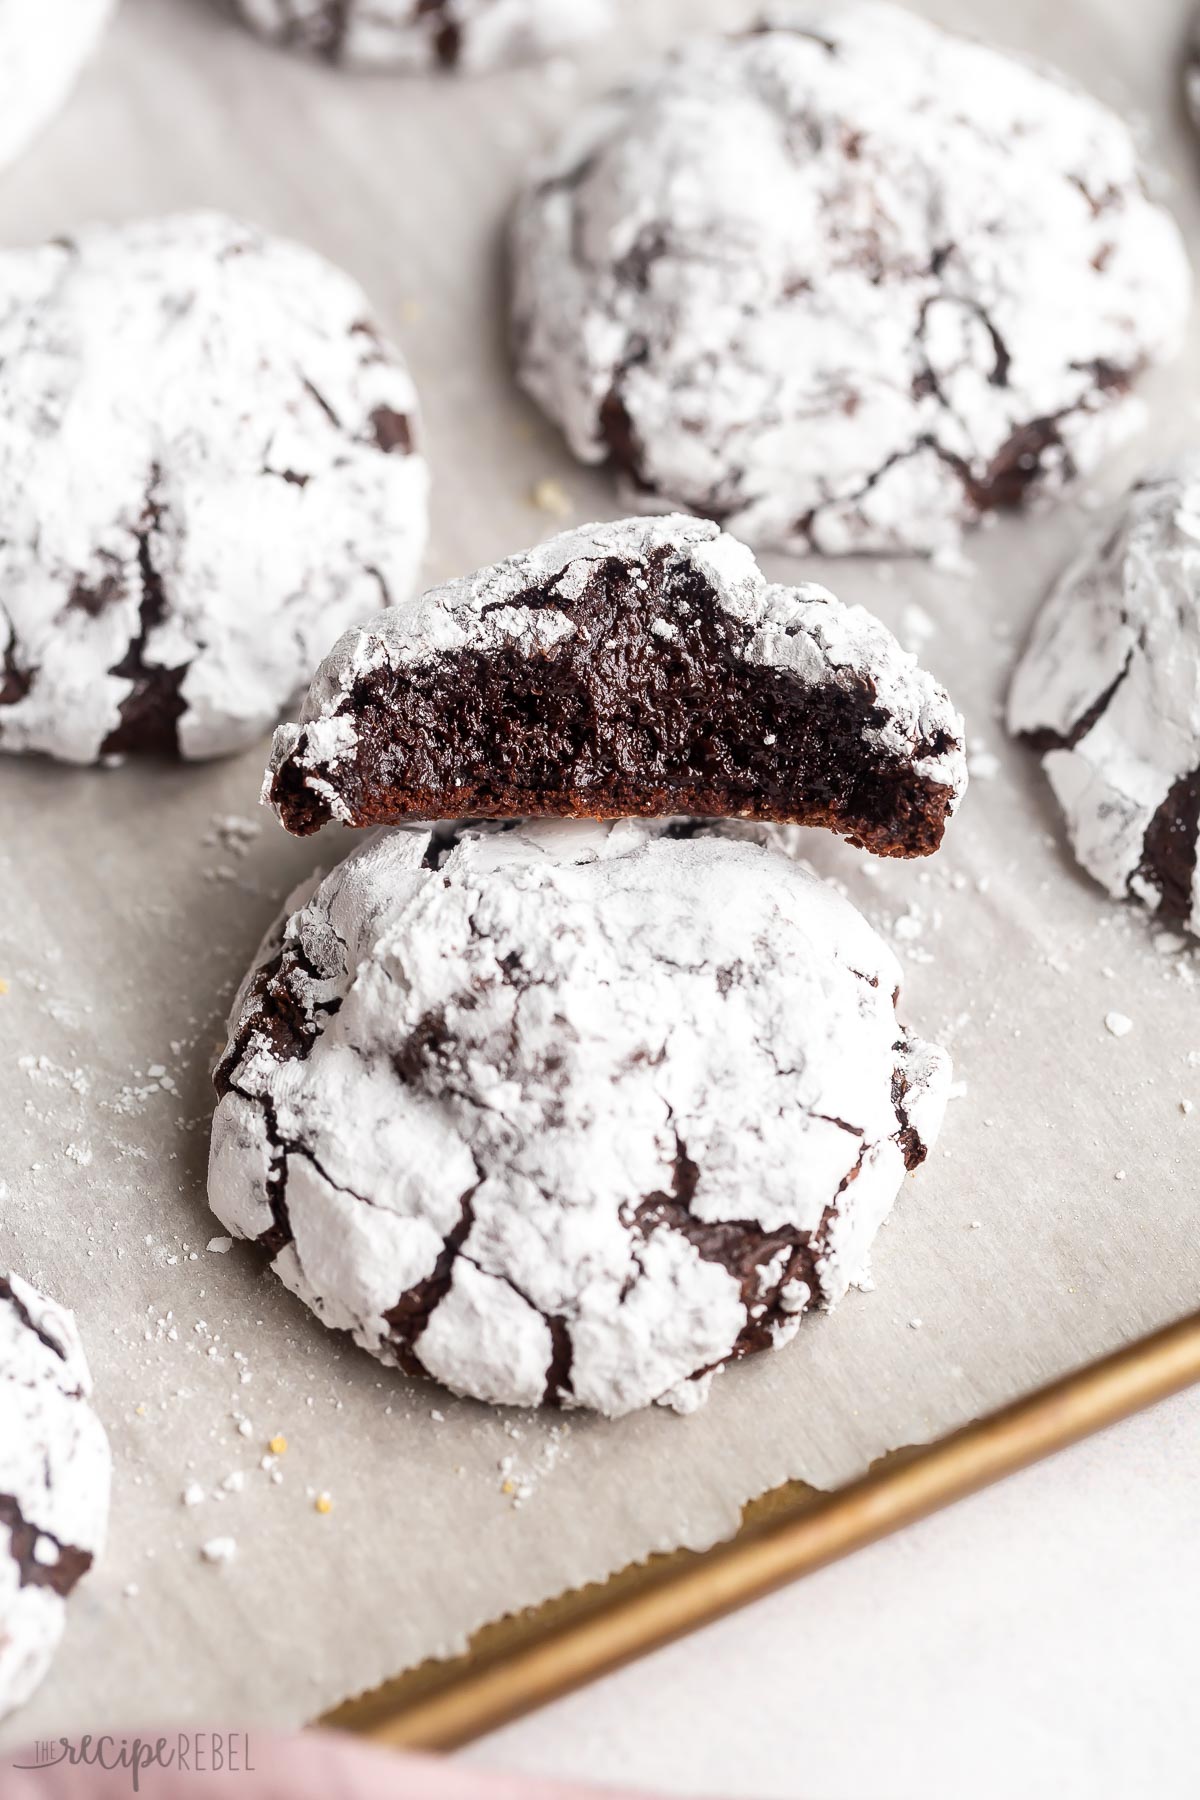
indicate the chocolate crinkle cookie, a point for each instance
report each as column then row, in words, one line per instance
column 569, row 1112
column 44, row 45
column 1109, row 692
column 644, row 667
column 1191, row 70
column 465, row 35
column 54, row 1482
column 207, row 463
column 844, row 282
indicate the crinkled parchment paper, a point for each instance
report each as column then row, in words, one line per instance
column 1056, row 1220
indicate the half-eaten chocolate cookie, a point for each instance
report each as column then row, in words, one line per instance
column 642, row 668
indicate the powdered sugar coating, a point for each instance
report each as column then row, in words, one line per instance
column 569, row 1111
column 44, row 45
column 1109, row 690
column 802, row 630
column 413, row 35
column 206, row 467
column 844, row 282
column 55, row 1473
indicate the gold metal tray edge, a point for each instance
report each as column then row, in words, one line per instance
column 525, row 1660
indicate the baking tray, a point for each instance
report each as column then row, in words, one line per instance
column 129, row 918
column 525, row 1661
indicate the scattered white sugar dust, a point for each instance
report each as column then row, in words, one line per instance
column 916, row 627
column 192, row 1494
column 231, row 832
column 219, row 1550
column 219, row 1245
column 1171, row 943
column 948, row 559
column 982, row 765
column 520, row 1473
column 52, row 1074
column 1118, row 1023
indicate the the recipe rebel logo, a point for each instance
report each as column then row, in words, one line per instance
column 183, row 1752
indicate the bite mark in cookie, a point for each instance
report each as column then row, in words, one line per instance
column 1107, row 692
column 641, row 668
column 843, row 283
column 569, row 1113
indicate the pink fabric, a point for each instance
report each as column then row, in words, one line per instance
column 262, row 1766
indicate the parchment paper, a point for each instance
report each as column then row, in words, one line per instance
column 1056, row 1221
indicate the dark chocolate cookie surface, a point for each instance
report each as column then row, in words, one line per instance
column 845, row 282
column 570, row 1112
column 462, row 35
column 1109, row 692
column 208, row 461
column 640, row 668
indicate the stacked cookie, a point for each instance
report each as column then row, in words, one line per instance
column 578, row 1111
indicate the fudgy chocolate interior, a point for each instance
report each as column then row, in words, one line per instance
column 623, row 718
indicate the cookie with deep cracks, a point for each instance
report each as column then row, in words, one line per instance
column 844, row 282
column 644, row 667
column 1108, row 691
column 570, row 1112
column 55, row 1473
column 454, row 35
column 208, row 459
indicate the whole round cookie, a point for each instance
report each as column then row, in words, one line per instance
column 844, row 282
column 467, row 35
column 44, row 45
column 1108, row 691
column 55, row 1473
column 638, row 668
column 207, row 468
column 569, row 1112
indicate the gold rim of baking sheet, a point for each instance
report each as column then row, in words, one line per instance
column 527, row 1659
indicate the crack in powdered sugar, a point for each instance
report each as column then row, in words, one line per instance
column 572, row 1112
column 173, row 560
column 843, row 283
column 1107, row 693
